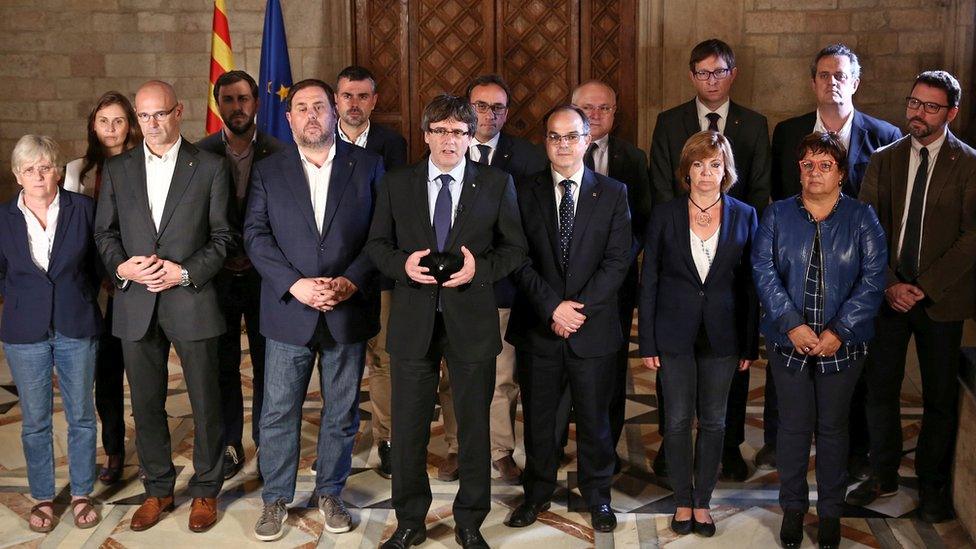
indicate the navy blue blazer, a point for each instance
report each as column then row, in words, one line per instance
column 868, row 134
column 283, row 243
column 599, row 257
column 63, row 298
column 674, row 301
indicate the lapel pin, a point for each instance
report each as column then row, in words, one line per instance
column 594, row 195
column 191, row 163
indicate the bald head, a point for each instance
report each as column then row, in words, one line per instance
column 159, row 114
column 599, row 102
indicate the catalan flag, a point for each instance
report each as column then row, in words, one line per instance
column 275, row 77
column 221, row 61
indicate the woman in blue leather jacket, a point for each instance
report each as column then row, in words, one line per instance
column 818, row 263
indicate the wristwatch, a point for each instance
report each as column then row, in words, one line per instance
column 184, row 277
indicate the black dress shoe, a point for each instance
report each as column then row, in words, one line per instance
column 791, row 531
column 603, row 518
column 734, row 468
column 766, row 457
column 233, row 461
column 828, row 533
column 858, row 468
column 469, row 538
column 682, row 527
column 704, row 529
column 933, row 505
column 870, row 490
column 386, row 468
column 405, row 537
column 526, row 514
column 660, row 465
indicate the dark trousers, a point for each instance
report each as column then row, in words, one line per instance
column 735, row 409
column 590, row 384
column 240, row 296
column 109, row 390
column 813, row 403
column 146, row 366
column 618, row 396
column 414, row 384
column 937, row 344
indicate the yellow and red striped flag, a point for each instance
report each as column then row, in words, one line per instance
column 221, row 61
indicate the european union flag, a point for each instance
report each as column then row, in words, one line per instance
column 275, row 77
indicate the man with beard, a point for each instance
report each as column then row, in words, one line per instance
column 307, row 222
column 238, row 284
column 923, row 188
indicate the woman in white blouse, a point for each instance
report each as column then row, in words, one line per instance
column 112, row 129
column 698, row 318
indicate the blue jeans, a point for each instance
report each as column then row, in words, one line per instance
column 32, row 365
column 287, row 371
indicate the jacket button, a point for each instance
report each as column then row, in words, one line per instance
column 701, row 294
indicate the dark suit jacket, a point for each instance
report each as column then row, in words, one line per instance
column 948, row 252
column 487, row 224
column 194, row 232
column 388, row 144
column 867, row 135
column 283, row 242
column 747, row 132
column 628, row 164
column 64, row 297
column 599, row 257
column 675, row 302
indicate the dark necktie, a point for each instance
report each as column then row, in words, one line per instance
column 911, row 241
column 484, row 153
column 588, row 157
column 442, row 211
column 713, row 121
column 566, row 215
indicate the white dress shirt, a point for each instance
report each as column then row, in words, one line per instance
column 722, row 111
column 703, row 251
column 40, row 239
column 475, row 153
column 360, row 141
column 434, row 187
column 845, row 131
column 913, row 161
column 318, row 184
column 558, row 190
column 601, row 154
column 159, row 176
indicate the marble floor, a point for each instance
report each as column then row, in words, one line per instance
column 746, row 513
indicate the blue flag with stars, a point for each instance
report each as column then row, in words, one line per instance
column 275, row 77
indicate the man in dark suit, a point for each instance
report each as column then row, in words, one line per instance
column 238, row 284
column 924, row 190
column 322, row 305
column 565, row 320
column 712, row 71
column 834, row 77
column 355, row 99
column 162, row 228
column 458, row 209
column 614, row 157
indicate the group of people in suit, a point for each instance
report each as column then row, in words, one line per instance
column 492, row 268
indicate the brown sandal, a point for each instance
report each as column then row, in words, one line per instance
column 86, row 507
column 36, row 512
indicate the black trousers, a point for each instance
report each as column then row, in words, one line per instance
column 146, row 365
column 618, row 397
column 109, row 390
column 590, row 382
column 414, row 385
column 239, row 294
column 937, row 344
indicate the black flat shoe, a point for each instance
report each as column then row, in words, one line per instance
column 386, row 466
column 470, row 538
column 405, row 537
column 526, row 514
column 828, row 533
column 603, row 518
column 682, row 527
column 704, row 529
column 791, row 531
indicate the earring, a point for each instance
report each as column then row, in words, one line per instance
column 687, row 179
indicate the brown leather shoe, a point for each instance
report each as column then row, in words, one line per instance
column 148, row 514
column 508, row 469
column 203, row 514
column 448, row 471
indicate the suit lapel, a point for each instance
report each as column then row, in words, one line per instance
column 135, row 172
column 725, row 232
column 297, row 182
column 589, row 195
column 857, row 140
column 18, row 228
column 342, row 168
column 186, row 165
column 65, row 212
column 684, row 238
column 732, row 122
column 547, row 205
column 689, row 118
column 899, row 186
column 503, row 153
column 469, row 195
column 418, row 184
column 940, row 174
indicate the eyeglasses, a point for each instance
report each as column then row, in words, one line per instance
column 43, row 171
column 569, row 138
column 158, row 116
column 719, row 74
column 483, row 107
column 928, row 106
column 839, row 76
column 824, row 165
column 444, row 132
column 602, row 109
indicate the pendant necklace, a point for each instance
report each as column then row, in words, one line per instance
column 703, row 218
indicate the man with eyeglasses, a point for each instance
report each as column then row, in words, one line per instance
column 616, row 158
column 162, row 228
column 923, row 188
column 712, row 70
column 445, row 214
column 835, row 75
column 565, row 323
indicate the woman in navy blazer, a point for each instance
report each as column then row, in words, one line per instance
column 698, row 317
column 50, row 322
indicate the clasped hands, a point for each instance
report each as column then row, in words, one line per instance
column 323, row 293
column 566, row 319
column 155, row 273
column 902, row 296
column 807, row 342
column 419, row 274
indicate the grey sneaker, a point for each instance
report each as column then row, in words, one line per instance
column 337, row 518
column 271, row 524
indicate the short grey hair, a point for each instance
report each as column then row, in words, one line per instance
column 32, row 148
column 840, row 50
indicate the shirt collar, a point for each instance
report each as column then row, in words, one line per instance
column 55, row 204
column 344, row 137
column 844, row 130
column 576, row 178
column 722, row 110
column 328, row 159
column 493, row 142
column 603, row 142
column 457, row 172
column 168, row 156
column 933, row 147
